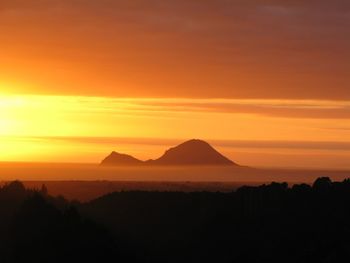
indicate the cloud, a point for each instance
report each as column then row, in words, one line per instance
column 300, row 109
column 312, row 109
column 166, row 142
column 188, row 48
column 273, row 108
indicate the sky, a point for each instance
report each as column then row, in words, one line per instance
column 266, row 82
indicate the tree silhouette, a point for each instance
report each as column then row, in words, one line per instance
column 268, row 223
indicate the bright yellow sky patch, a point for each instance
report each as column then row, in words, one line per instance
column 30, row 125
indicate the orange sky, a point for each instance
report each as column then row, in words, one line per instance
column 188, row 48
column 143, row 75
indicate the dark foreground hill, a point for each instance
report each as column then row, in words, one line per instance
column 269, row 223
column 35, row 227
column 193, row 152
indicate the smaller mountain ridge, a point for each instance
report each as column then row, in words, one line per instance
column 119, row 159
column 192, row 152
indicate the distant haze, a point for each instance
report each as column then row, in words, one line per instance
column 91, row 172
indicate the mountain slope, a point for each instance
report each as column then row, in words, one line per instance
column 118, row 159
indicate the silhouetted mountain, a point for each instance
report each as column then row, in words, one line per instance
column 193, row 152
column 121, row 160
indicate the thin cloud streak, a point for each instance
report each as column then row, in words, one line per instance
column 312, row 109
column 249, row 144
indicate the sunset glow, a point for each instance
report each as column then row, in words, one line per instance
column 174, row 131
column 266, row 83
column 83, row 129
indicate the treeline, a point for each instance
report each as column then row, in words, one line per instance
column 35, row 227
column 269, row 223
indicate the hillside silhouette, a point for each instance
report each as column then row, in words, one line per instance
column 268, row 223
column 35, row 227
column 192, row 152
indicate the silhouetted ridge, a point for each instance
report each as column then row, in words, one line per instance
column 267, row 223
column 36, row 227
column 192, row 152
column 120, row 159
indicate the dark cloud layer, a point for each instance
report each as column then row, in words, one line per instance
column 186, row 48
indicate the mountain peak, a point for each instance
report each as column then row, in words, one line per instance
column 192, row 152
